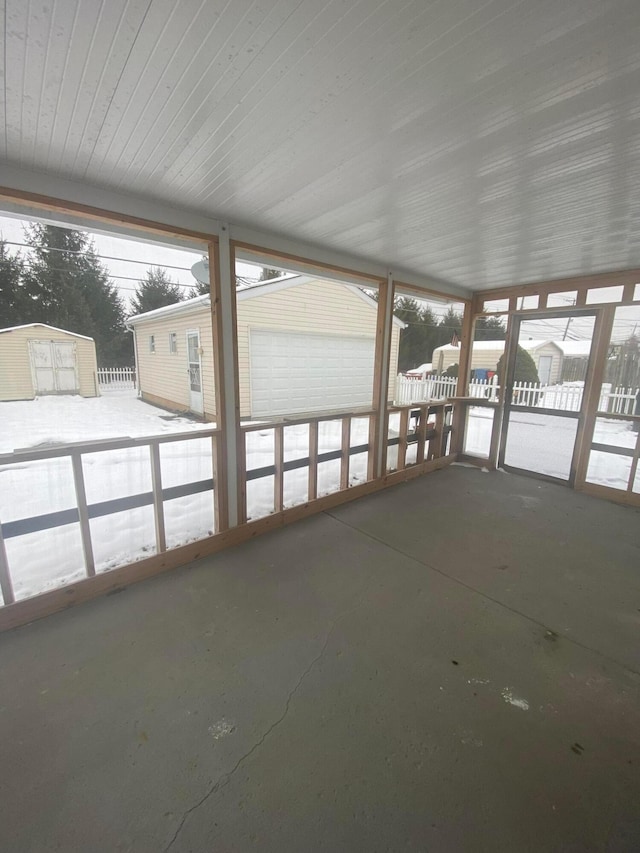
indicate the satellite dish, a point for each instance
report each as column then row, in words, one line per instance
column 200, row 271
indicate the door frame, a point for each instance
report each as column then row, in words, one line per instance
column 34, row 370
column 594, row 370
column 189, row 363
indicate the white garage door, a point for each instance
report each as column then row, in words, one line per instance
column 298, row 372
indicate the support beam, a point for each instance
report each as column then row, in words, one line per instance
column 464, row 365
column 381, row 377
column 223, row 300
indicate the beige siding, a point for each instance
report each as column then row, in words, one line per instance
column 323, row 307
column 320, row 306
column 556, row 364
column 488, row 358
column 164, row 374
column 16, row 379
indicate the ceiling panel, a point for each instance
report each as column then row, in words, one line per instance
column 481, row 143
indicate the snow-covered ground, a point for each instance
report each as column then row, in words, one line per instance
column 49, row 558
column 544, row 443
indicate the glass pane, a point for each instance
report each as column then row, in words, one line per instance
column 618, row 433
column 44, row 559
column 260, row 497
column 598, row 295
column 541, row 443
column 295, row 487
column 609, row 469
column 328, row 477
column 477, row 438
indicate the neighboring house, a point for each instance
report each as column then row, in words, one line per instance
column 304, row 345
column 547, row 356
column 37, row 359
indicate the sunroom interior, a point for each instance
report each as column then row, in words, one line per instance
column 406, row 624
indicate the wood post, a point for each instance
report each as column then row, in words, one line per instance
column 344, row 460
column 83, row 514
column 313, row 460
column 5, row 578
column 592, row 387
column 231, row 466
column 158, row 503
column 378, row 435
column 464, row 366
column 278, row 463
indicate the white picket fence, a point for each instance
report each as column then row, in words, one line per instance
column 116, row 379
column 568, row 397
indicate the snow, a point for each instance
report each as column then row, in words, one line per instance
column 47, row 559
column 50, row 558
column 544, row 444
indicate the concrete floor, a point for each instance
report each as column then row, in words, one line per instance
column 450, row 665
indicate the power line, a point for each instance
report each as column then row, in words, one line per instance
column 95, row 255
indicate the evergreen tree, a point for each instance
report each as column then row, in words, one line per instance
column 525, row 369
column 155, row 291
column 66, row 286
column 490, row 329
column 13, row 301
column 411, row 351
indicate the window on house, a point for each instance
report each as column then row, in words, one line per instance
column 152, row 343
column 173, row 342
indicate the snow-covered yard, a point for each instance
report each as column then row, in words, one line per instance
column 46, row 559
column 544, row 443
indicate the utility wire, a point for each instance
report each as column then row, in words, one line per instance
column 94, row 254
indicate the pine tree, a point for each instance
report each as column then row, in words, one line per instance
column 490, row 329
column 66, row 286
column 13, row 301
column 155, row 291
column 525, row 368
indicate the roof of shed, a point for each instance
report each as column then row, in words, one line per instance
column 44, row 326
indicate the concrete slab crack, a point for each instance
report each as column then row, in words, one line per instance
column 226, row 777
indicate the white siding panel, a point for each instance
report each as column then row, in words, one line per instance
column 294, row 372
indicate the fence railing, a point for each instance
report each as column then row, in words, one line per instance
column 116, row 378
column 295, row 461
column 75, row 509
column 567, row 397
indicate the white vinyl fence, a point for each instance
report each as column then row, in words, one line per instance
column 116, row 379
column 568, row 397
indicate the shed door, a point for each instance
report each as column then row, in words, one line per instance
column 64, row 362
column 299, row 372
column 544, row 369
column 54, row 366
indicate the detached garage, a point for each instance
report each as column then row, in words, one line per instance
column 304, row 345
column 37, row 359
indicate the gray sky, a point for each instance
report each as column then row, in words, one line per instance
column 127, row 262
column 133, row 259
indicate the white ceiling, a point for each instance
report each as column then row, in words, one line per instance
column 482, row 142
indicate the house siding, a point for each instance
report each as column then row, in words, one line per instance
column 320, row 307
column 16, row 379
column 162, row 375
column 488, row 359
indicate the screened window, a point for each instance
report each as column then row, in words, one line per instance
column 173, row 342
column 152, row 343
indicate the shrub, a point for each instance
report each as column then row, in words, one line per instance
column 452, row 370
